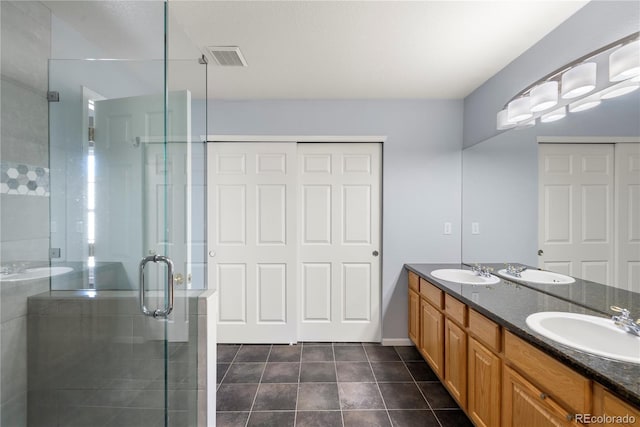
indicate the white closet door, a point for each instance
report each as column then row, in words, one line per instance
column 576, row 211
column 251, row 190
column 339, row 241
column 628, row 217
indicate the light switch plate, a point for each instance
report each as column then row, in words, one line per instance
column 447, row 228
column 475, row 228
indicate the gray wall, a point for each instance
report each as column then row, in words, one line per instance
column 24, row 218
column 595, row 25
column 421, row 175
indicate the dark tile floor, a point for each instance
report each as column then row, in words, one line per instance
column 326, row 385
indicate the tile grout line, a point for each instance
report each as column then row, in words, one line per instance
column 378, row 384
column 335, row 368
column 295, row 414
column 419, row 389
column 259, row 383
column 228, row 367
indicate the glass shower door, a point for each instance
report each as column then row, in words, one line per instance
column 105, row 350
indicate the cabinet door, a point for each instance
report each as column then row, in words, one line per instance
column 414, row 316
column 606, row 403
column 524, row 405
column 431, row 336
column 483, row 400
column 455, row 365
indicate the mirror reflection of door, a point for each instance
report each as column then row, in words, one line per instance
column 589, row 212
column 139, row 170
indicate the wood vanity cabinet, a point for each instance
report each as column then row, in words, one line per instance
column 484, row 371
column 455, row 349
column 499, row 379
column 455, row 361
column 414, row 309
column 431, row 336
column 484, row 385
column 606, row 403
column 525, row 405
column 558, row 382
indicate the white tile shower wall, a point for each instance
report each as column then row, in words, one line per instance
column 25, row 39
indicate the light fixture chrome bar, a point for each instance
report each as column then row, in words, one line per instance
column 558, row 72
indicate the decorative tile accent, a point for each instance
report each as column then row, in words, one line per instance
column 28, row 180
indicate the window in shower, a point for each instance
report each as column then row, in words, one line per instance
column 91, row 196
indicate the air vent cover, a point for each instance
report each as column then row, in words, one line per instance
column 228, row 56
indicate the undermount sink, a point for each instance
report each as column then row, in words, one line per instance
column 596, row 335
column 540, row 277
column 35, row 273
column 465, row 277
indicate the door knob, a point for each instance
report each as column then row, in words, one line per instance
column 212, row 254
column 375, row 253
column 540, row 252
column 179, row 278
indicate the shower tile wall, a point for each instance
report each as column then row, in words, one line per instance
column 25, row 39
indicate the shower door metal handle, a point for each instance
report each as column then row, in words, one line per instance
column 164, row 312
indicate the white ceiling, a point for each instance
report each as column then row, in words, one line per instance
column 346, row 49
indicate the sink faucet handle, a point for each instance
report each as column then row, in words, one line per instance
column 617, row 309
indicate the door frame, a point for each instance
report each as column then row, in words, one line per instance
column 380, row 139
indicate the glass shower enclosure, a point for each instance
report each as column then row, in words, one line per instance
column 115, row 342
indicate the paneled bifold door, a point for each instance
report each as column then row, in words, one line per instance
column 294, row 235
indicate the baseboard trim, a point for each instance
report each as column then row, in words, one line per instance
column 397, row 341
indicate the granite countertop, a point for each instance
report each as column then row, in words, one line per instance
column 509, row 303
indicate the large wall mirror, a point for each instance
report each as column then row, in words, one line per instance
column 504, row 222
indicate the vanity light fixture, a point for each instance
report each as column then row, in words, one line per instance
column 571, row 85
column 552, row 116
column 624, row 63
column 620, row 89
column 503, row 122
column 544, row 96
column 579, row 80
column 584, row 104
column 519, row 109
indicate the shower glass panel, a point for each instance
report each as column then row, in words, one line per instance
column 126, row 183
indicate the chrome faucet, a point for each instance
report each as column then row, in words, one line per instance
column 12, row 268
column 625, row 321
column 481, row 270
column 515, row 271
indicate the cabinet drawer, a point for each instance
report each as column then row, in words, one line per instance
column 555, row 379
column 485, row 330
column 414, row 281
column 431, row 293
column 455, row 309
column 525, row 405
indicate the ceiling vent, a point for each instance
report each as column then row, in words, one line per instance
column 228, row 56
